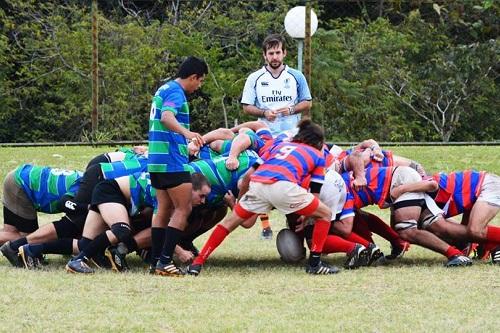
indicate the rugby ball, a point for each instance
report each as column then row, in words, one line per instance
column 290, row 246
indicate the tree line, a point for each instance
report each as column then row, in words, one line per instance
column 394, row 71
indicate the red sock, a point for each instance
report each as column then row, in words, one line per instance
column 452, row 251
column 488, row 246
column 493, row 234
column 320, row 232
column 212, row 243
column 355, row 238
column 378, row 226
column 335, row 244
column 360, row 227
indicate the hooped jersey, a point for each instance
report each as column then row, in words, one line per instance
column 45, row 186
column 142, row 194
column 387, row 161
column 220, row 178
column 458, row 190
column 168, row 149
column 271, row 93
column 293, row 162
column 132, row 164
column 375, row 192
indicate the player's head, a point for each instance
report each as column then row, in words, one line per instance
column 310, row 133
column 201, row 188
column 274, row 50
column 192, row 71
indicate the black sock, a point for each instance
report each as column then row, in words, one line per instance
column 157, row 241
column 83, row 243
column 98, row 245
column 314, row 258
column 14, row 245
column 131, row 244
column 60, row 246
column 173, row 236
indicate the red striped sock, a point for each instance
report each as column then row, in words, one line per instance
column 217, row 236
column 336, row 243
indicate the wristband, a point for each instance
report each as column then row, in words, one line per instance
column 263, row 114
column 291, row 109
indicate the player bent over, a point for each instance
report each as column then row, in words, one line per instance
column 287, row 165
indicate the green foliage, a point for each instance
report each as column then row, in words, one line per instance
column 449, row 53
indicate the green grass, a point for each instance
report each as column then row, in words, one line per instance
column 245, row 287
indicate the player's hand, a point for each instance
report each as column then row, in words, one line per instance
column 301, row 223
column 193, row 149
column 359, row 183
column 377, row 154
column 195, row 138
column 396, row 192
column 232, row 163
column 271, row 115
column 140, row 150
column 184, row 256
column 283, row 111
column 230, row 199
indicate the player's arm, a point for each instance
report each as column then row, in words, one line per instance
column 168, row 120
column 422, row 186
column 253, row 125
column 355, row 163
column 297, row 108
column 239, row 144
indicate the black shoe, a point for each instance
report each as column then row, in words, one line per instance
column 28, row 260
column 116, row 258
column 398, row 251
column 495, row 255
column 11, row 255
column 168, row 270
column 458, row 260
column 375, row 256
column 100, row 261
column 357, row 257
column 194, row 269
column 322, row 269
column 78, row 266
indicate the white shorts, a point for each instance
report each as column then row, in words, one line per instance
column 333, row 192
column 285, row 196
column 490, row 190
column 405, row 175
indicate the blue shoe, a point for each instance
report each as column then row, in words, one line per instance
column 458, row 260
column 27, row 258
column 194, row 269
column 266, row 234
column 78, row 266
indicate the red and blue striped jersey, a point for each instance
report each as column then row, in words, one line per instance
column 293, row 162
column 377, row 188
column 460, row 189
column 387, row 161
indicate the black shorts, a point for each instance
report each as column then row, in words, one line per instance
column 107, row 191
column 103, row 158
column 166, row 180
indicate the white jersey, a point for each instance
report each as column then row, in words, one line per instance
column 269, row 93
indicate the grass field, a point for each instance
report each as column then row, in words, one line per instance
column 245, row 287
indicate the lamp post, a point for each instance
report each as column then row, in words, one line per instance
column 295, row 26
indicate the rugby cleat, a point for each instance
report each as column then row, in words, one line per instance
column 78, row 266
column 168, row 270
column 357, row 257
column 322, row 269
column 11, row 255
column 27, row 258
column 469, row 248
column 375, row 256
column 458, row 260
column 495, row 255
column 398, row 251
column 194, row 269
column 480, row 253
column 116, row 259
column 266, row 234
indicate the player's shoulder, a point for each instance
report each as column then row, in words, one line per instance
column 295, row 73
column 257, row 74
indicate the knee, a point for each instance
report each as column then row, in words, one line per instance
column 476, row 231
column 122, row 231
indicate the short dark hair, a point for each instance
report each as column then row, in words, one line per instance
column 192, row 65
column 310, row 133
column 199, row 180
column 273, row 41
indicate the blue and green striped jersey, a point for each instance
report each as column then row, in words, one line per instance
column 167, row 149
column 134, row 164
column 142, row 194
column 45, row 186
